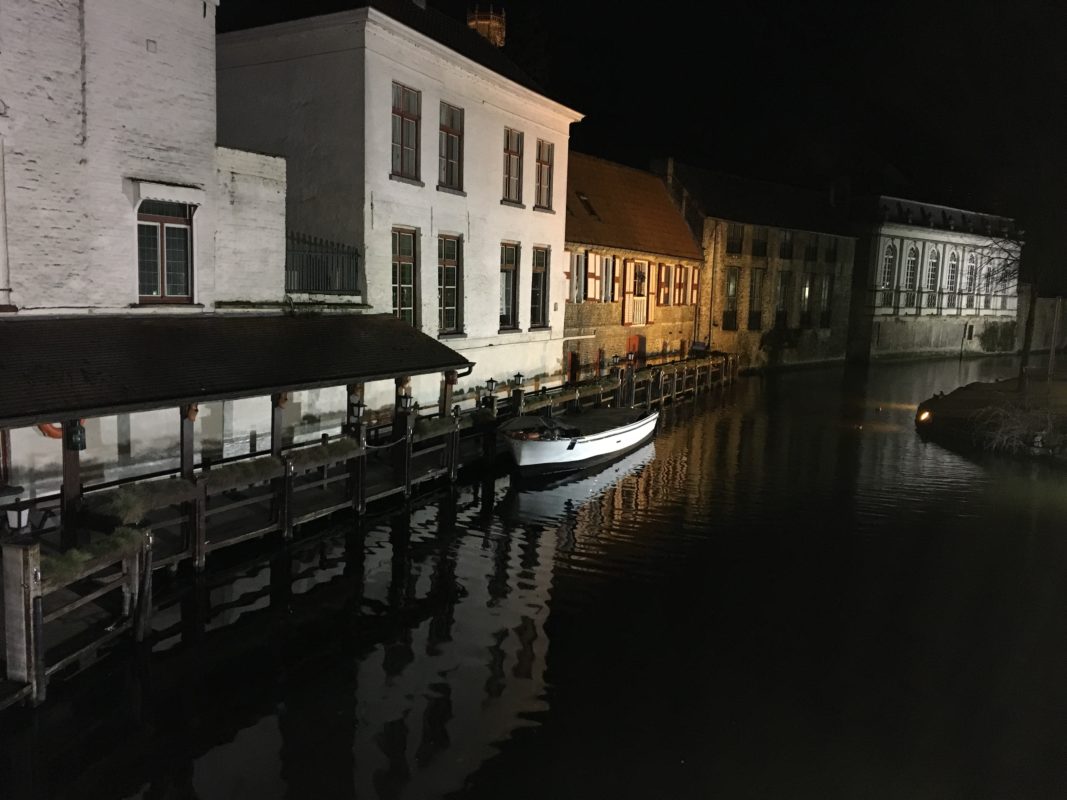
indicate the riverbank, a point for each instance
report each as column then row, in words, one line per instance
column 997, row 417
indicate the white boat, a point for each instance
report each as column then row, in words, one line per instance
column 575, row 440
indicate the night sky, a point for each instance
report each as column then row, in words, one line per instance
column 963, row 104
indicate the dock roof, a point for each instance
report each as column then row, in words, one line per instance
column 59, row 368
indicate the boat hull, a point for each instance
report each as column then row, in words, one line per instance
column 538, row 456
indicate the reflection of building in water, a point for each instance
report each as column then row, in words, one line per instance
column 435, row 700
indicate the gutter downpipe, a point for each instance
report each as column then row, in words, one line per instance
column 5, row 265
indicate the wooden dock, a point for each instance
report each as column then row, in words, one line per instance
column 70, row 594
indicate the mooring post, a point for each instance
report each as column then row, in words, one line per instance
column 23, row 621
column 631, row 384
column 186, row 418
column 489, row 439
column 277, row 411
column 409, row 441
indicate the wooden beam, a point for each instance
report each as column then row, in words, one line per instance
column 278, row 403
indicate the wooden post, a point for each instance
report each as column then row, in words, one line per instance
column 453, row 448
column 71, row 492
column 448, row 385
column 324, row 470
column 619, row 391
column 631, row 384
column 518, row 400
column 409, row 441
column 143, row 612
column 23, row 627
column 199, row 524
column 287, row 500
column 357, row 466
column 278, row 403
column 186, row 418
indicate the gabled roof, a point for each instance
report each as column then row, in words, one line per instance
column 72, row 367
column 236, row 15
column 757, row 202
column 613, row 205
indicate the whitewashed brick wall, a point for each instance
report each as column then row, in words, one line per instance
column 250, row 226
column 97, row 98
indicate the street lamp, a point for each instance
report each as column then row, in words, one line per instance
column 518, row 379
column 615, row 360
column 630, row 356
column 358, row 408
column 490, row 385
column 405, row 402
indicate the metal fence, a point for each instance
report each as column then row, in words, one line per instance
column 320, row 266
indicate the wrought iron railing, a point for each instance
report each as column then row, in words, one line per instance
column 319, row 266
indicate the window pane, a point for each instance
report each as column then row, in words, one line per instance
column 176, row 260
column 148, row 259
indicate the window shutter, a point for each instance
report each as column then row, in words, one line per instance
column 695, row 299
column 652, row 295
column 592, row 276
column 627, row 292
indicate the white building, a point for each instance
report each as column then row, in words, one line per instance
column 414, row 139
column 115, row 199
column 933, row 280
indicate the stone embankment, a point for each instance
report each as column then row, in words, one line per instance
column 998, row 417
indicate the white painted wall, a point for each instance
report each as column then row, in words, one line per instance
column 338, row 70
column 250, row 226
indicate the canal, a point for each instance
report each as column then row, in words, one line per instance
column 787, row 594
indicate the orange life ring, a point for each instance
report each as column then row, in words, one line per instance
column 53, row 431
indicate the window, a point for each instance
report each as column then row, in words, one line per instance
column 811, row 249
column 735, row 238
column 785, row 289
column 449, row 285
column 755, row 299
column 785, row 244
column 911, row 272
column 544, row 175
column 969, row 275
column 512, row 166
column 450, row 148
column 694, row 291
column 578, row 277
column 826, row 301
column 986, row 287
column 406, row 105
column 681, row 284
column 539, row 289
column 759, row 242
column 608, row 270
column 830, row 254
column 165, row 252
column 404, row 275
column 729, row 311
column 885, row 281
column 509, row 286
column 635, row 293
column 807, row 289
column 933, row 278
column 952, row 279
column 663, row 285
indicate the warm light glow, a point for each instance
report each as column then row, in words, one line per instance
column 924, row 416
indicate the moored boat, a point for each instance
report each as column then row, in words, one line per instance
column 576, row 440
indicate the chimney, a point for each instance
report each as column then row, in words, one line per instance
column 490, row 24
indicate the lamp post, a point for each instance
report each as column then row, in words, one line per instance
column 489, row 401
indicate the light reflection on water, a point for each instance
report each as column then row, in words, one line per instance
column 786, row 594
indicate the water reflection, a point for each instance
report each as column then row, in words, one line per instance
column 786, row 594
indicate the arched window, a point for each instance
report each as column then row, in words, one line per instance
column 933, row 277
column 969, row 275
column 986, row 287
column 889, row 261
column 952, row 279
column 911, row 277
column 885, row 282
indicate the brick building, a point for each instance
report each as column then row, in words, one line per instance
column 780, row 264
column 634, row 267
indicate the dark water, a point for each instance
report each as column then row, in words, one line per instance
column 786, row 595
